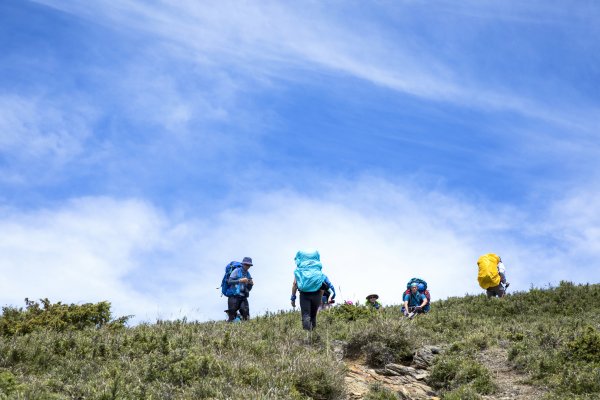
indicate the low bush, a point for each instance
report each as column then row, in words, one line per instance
column 58, row 317
column 462, row 393
column 380, row 392
column 382, row 343
column 451, row 371
column 318, row 382
column 585, row 347
column 349, row 312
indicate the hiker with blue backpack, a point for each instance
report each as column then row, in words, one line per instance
column 236, row 285
column 416, row 298
column 310, row 282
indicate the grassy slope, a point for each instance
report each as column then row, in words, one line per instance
column 551, row 335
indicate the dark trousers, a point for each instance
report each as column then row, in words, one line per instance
column 496, row 291
column 309, row 305
column 235, row 304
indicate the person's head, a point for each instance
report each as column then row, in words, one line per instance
column 414, row 287
column 247, row 263
column 372, row 298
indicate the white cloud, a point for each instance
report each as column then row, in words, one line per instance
column 41, row 134
column 78, row 253
column 373, row 236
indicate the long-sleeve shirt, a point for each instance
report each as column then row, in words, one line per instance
column 502, row 272
column 329, row 287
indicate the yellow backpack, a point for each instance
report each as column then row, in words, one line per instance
column 488, row 270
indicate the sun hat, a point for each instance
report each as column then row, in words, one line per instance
column 372, row 295
column 247, row 261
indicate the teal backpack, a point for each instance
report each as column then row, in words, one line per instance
column 309, row 277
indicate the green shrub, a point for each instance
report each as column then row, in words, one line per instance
column 462, row 393
column 8, row 383
column 319, row 383
column 57, row 317
column 382, row 343
column 581, row 379
column 451, row 371
column 377, row 354
column 585, row 347
column 380, row 392
column 349, row 312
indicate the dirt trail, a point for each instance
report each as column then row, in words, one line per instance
column 508, row 380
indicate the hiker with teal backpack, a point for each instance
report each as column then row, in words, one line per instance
column 417, row 298
column 310, row 282
column 236, row 285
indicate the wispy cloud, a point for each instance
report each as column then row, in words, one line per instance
column 41, row 135
column 267, row 39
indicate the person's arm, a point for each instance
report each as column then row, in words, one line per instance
column 502, row 272
column 250, row 283
column 424, row 303
column 294, row 290
column 331, row 288
column 234, row 278
column 405, row 304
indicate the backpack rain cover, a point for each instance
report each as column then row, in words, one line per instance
column 309, row 277
column 488, row 271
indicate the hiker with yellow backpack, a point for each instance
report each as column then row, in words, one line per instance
column 492, row 275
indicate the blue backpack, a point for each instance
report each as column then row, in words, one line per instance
column 226, row 290
column 417, row 281
column 422, row 289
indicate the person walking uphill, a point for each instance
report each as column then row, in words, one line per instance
column 241, row 283
column 492, row 275
column 309, row 280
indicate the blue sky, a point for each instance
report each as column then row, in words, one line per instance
column 143, row 145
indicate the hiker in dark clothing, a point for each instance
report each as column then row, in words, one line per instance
column 310, row 282
column 242, row 280
column 309, row 306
